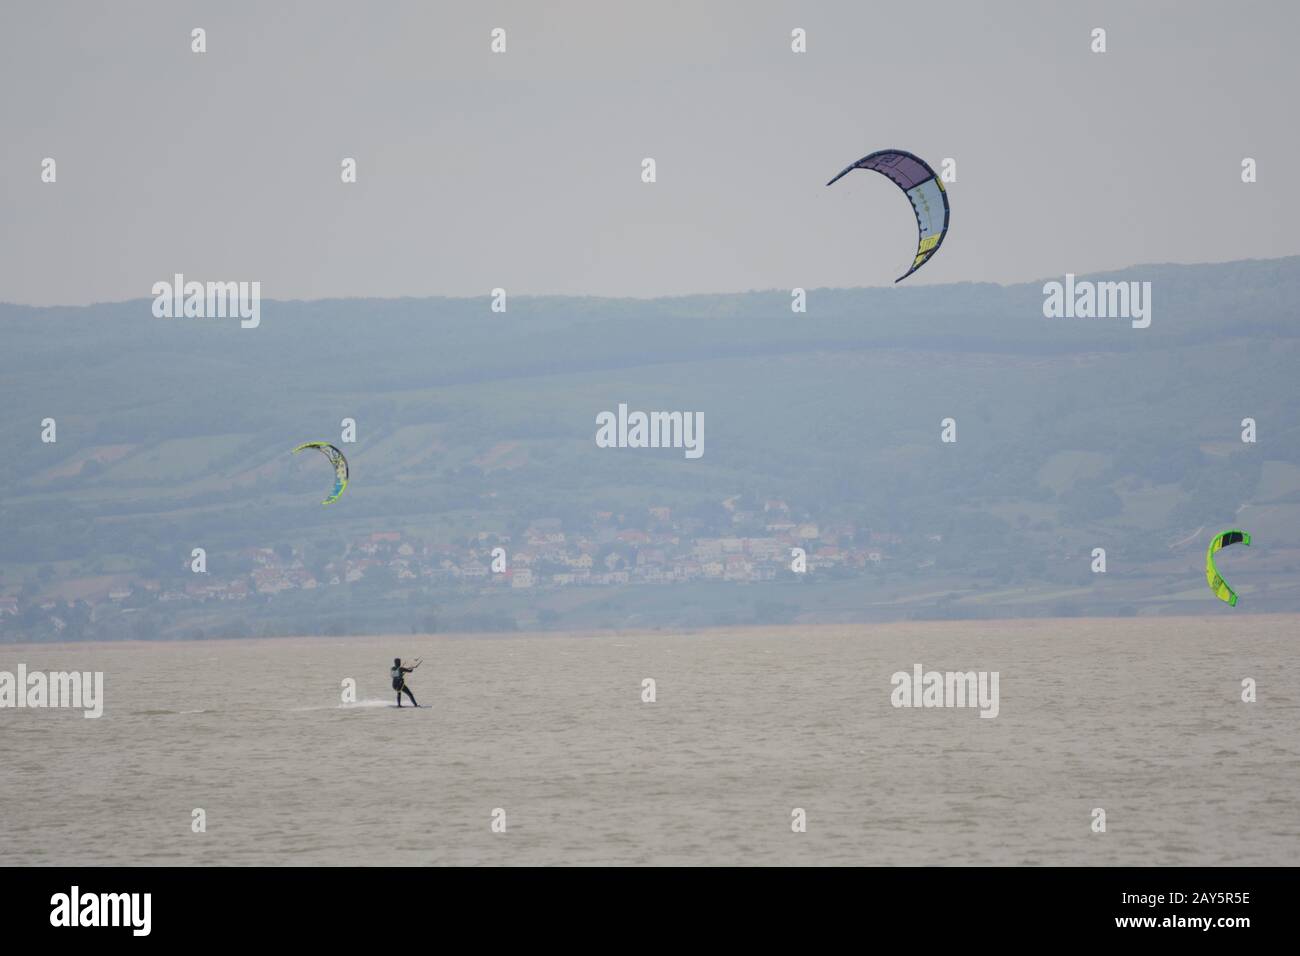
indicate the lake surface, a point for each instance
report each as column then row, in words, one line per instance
column 1141, row 717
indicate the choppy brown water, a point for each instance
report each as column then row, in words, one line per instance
column 1140, row 717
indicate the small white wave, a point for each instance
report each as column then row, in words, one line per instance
column 368, row 702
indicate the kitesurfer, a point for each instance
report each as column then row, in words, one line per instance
column 399, row 673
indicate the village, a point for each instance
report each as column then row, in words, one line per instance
column 659, row 551
column 650, row 547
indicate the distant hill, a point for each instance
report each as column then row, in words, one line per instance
column 1072, row 434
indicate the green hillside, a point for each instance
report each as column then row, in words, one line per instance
column 1072, row 434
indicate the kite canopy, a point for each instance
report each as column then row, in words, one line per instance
column 929, row 199
column 337, row 460
column 1212, row 576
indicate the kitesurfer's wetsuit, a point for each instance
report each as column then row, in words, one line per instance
column 399, row 684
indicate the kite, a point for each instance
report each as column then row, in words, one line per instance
column 337, row 460
column 929, row 199
column 1212, row 576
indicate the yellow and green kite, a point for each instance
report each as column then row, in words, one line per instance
column 1212, row 576
column 337, row 460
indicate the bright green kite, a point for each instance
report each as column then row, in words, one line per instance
column 1216, row 582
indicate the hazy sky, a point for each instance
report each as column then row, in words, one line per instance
column 522, row 170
